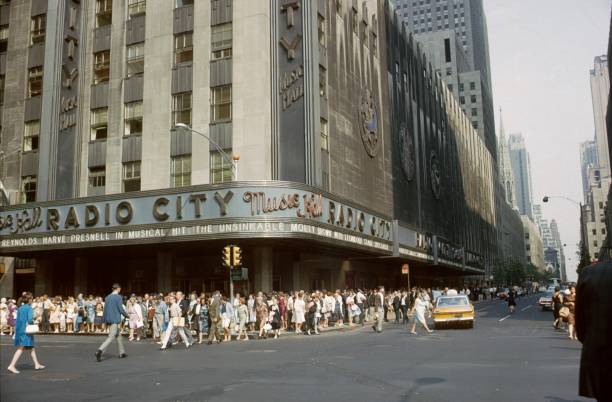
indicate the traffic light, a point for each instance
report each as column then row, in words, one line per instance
column 227, row 255
column 236, row 257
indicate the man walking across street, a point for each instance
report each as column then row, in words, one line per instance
column 113, row 311
column 379, row 303
column 216, row 324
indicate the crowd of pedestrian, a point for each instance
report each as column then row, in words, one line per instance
column 266, row 314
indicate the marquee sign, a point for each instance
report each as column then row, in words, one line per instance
column 195, row 213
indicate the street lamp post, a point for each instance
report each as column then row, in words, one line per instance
column 233, row 160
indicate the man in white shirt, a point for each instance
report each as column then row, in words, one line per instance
column 360, row 301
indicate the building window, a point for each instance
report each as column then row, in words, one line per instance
column 221, row 41
column 322, row 81
column 595, row 243
column 133, row 118
column 131, row 176
column 182, row 3
column 324, row 135
column 136, row 7
column 38, row 27
column 4, row 30
column 603, row 231
column 99, row 124
column 181, row 171
column 594, row 231
column 474, row 112
column 101, row 66
column 220, row 168
column 104, row 13
column 321, row 31
column 475, row 124
column 30, row 136
column 97, row 180
column 461, row 87
column 462, row 100
column 221, row 104
column 601, row 205
column 35, row 80
column 472, row 85
column 183, row 48
column 181, row 109
column 28, row 189
column 135, row 59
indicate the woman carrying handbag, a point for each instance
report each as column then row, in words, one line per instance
column 24, row 333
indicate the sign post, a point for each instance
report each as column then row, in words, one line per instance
column 406, row 271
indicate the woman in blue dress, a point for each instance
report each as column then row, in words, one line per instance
column 25, row 316
column 202, row 312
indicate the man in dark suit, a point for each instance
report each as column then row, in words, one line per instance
column 594, row 329
column 216, row 324
column 113, row 311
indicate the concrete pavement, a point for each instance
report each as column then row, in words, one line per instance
column 516, row 358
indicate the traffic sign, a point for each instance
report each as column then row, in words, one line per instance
column 405, row 269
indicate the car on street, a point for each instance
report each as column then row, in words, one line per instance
column 542, row 289
column 453, row 310
column 503, row 294
column 546, row 301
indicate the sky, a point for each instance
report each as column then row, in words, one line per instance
column 541, row 52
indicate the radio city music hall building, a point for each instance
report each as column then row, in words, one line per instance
column 354, row 157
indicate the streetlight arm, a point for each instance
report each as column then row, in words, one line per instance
column 545, row 199
column 217, row 146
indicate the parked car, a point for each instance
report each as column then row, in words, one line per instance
column 542, row 289
column 546, row 301
column 453, row 310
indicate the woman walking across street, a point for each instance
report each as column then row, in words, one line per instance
column 176, row 321
column 420, row 308
column 261, row 309
column 135, row 321
column 202, row 317
column 274, row 317
column 24, row 340
column 299, row 309
column 570, row 302
column 243, row 315
column 511, row 301
column 557, row 304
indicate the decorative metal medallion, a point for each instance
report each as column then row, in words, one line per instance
column 435, row 174
column 369, row 123
column 406, row 145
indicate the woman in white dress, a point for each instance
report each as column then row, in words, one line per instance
column 420, row 307
column 252, row 314
column 299, row 308
column 135, row 320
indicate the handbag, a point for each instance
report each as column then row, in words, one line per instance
column 31, row 329
column 564, row 312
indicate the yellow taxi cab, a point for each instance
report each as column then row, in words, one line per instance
column 455, row 309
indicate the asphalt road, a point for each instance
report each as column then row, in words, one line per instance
column 504, row 358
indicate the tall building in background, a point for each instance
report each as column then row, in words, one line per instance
column 600, row 88
column 454, row 36
column 506, row 175
column 588, row 161
column 554, row 228
column 521, row 167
